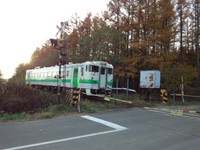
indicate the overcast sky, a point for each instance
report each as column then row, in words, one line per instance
column 27, row 24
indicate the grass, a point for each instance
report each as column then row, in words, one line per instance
column 53, row 111
column 136, row 100
column 6, row 116
column 58, row 111
column 186, row 103
column 89, row 107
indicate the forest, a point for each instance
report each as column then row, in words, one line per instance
column 133, row 35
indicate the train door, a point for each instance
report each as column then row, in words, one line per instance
column 103, row 78
column 75, row 77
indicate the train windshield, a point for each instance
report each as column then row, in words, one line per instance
column 110, row 71
column 93, row 68
column 103, row 71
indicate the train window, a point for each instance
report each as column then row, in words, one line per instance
column 53, row 74
column 45, row 74
column 42, row 74
column 82, row 71
column 110, row 71
column 102, row 71
column 64, row 74
column 86, row 68
column 49, row 74
column 67, row 74
column 93, row 68
column 38, row 75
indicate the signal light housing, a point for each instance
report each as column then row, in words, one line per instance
column 54, row 42
column 63, row 54
column 62, row 62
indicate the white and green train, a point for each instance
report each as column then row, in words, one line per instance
column 93, row 77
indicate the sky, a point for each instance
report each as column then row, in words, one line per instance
column 27, row 24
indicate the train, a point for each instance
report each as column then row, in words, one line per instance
column 92, row 77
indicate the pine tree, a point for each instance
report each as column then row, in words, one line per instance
column 197, row 36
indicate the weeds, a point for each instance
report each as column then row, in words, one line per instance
column 58, row 110
column 18, row 98
column 8, row 117
column 47, row 115
column 90, row 107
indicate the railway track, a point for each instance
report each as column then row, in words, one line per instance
column 110, row 100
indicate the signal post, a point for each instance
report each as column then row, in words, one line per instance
column 60, row 46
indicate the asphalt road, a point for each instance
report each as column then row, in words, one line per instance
column 128, row 129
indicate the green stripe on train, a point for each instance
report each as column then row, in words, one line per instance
column 94, row 81
column 67, row 80
column 89, row 81
column 48, row 80
column 109, row 82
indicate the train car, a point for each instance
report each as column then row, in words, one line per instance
column 93, row 77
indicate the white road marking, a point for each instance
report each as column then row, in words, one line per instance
column 116, row 128
column 106, row 123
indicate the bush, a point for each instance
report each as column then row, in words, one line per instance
column 19, row 98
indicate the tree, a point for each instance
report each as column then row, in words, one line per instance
column 135, row 35
column 197, row 36
column 20, row 72
column 44, row 56
column 1, row 78
column 183, row 13
column 84, row 41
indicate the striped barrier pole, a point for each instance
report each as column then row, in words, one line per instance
column 75, row 98
column 164, row 95
column 185, row 95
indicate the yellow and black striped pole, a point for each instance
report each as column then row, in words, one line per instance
column 75, row 98
column 164, row 95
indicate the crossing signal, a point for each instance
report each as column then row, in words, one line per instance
column 164, row 95
column 54, row 42
column 62, row 54
column 58, row 44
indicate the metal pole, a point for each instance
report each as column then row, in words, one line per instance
column 127, row 88
column 174, row 96
column 117, row 87
column 63, row 26
column 59, row 77
column 79, row 101
column 182, row 91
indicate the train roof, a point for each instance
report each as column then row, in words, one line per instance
column 98, row 63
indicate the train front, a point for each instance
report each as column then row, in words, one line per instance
column 101, row 75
